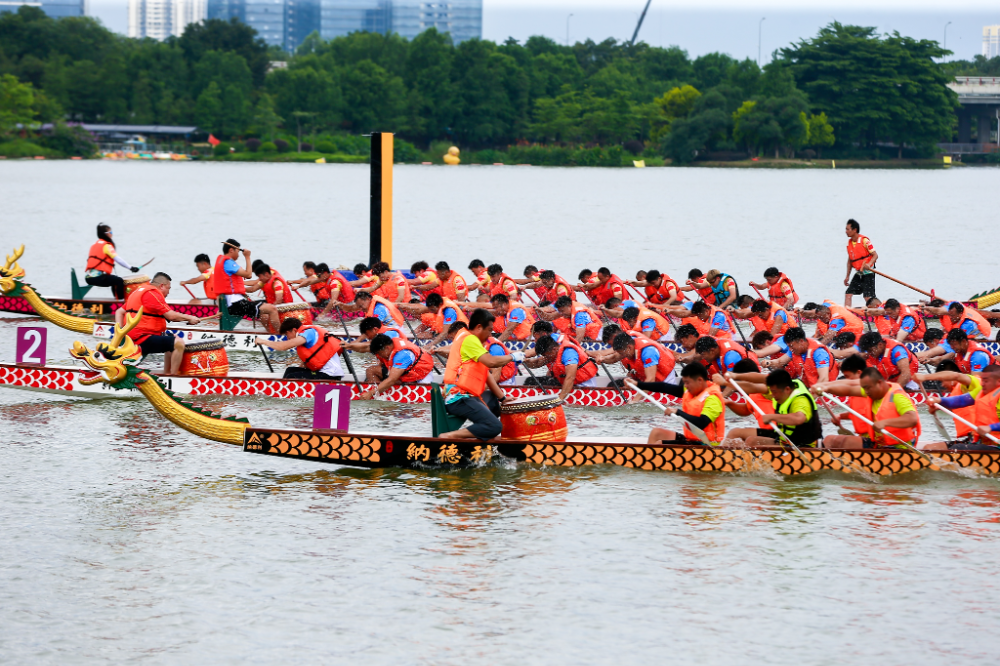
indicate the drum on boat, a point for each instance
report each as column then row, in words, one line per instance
column 134, row 282
column 534, row 419
column 205, row 359
column 301, row 311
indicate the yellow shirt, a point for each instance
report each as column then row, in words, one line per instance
column 472, row 349
column 900, row 400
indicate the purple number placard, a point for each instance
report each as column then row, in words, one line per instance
column 332, row 407
column 31, row 344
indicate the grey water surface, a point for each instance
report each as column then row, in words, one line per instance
column 126, row 540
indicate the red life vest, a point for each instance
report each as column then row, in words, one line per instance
column 726, row 346
column 662, row 325
column 895, row 324
column 852, row 323
column 968, row 315
column 862, row 406
column 453, row 285
column 209, row 284
column 660, row 295
column 613, row 288
column 98, row 258
column 424, row 293
column 766, row 405
column 391, row 307
column 766, row 325
column 964, row 361
column 560, row 287
column 591, row 330
column 776, row 295
column 315, row 357
column 638, row 369
column 320, row 290
column 523, row 330
column 346, row 290
column 151, row 324
column 884, row 326
column 967, row 413
column 858, row 252
column 986, row 410
column 693, row 404
column 507, row 371
column 467, row 377
column 390, row 290
column 703, row 327
column 437, row 324
column 885, row 365
column 586, row 369
column 422, row 365
column 270, row 294
column 887, row 410
column 226, row 284
column 807, row 370
column 504, row 285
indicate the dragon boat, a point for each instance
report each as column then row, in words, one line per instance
column 114, row 364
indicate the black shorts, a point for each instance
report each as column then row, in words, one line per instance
column 157, row 344
column 681, row 439
column 767, row 432
column 246, row 308
column 862, row 285
column 967, row 444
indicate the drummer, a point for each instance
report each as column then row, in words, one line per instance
column 101, row 262
column 318, row 349
column 568, row 363
column 151, row 332
column 471, row 392
column 402, row 361
column 205, row 270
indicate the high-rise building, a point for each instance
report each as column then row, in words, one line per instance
column 302, row 17
column 991, row 41
column 159, row 19
column 342, row 17
column 54, row 8
column 267, row 17
column 463, row 19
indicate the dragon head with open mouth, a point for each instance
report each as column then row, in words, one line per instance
column 114, row 361
column 11, row 274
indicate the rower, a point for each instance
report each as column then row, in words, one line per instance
column 567, row 362
column 723, row 288
column 205, row 272
column 956, row 315
column 151, row 332
column 101, row 262
column 276, row 292
column 646, row 360
column 642, row 319
column 696, row 282
column 453, row 285
column 584, row 322
column 983, row 409
column 719, row 356
column 832, row 319
column 892, row 411
column 771, row 317
column 542, row 328
column 371, row 327
column 701, row 405
column 586, row 278
column 963, row 390
column 708, row 319
column 660, row 288
column 773, row 348
column 318, row 349
column 845, row 345
column 749, row 368
column 340, row 292
column 907, row 324
column 482, row 281
column 470, row 391
column 376, row 306
column 795, row 413
column 426, row 281
column 437, row 315
column 402, row 361
column 605, row 287
column 515, row 319
column 228, row 278
column 501, row 283
column 851, row 369
column 896, row 363
column 551, row 287
column 969, row 354
column 687, row 337
column 861, row 258
column 809, row 359
column 316, row 278
column 780, row 289
column 937, row 348
column 392, row 286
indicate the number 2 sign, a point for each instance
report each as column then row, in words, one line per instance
column 31, row 344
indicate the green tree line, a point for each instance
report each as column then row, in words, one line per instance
column 847, row 86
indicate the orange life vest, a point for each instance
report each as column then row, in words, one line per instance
column 560, row 287
column 209, row 284
column 504, row 285
column 523, row 330
column 591, row 330
column 320, row 290
column 726, row 346
column 776, row 294
column 393, row 310
column 226, row 284
column 390, row 290
column 270, row 294
column 586, row 369
column 858, row 252
column 807, row 370
column 613, row 288
column 451, row 287
column 887, row 410
column 507, row 371
column 438, row 324
column 467, row 377
column 638, row 369
column 861, row 406
column 662, row 325
column 703, row 327
column 151, row 324
column 315, row 357
column 693, row 404
column 895, row 324
column 346, row 290
column 967, row 413
column 766, row 405
column 98, row 258
column 852, row 323
column 884, row 326
column 971, row 315
column 964, row 361
column 660, row 295
column 766, row 324
column 986, row 410
column 422, row 365
column 887, row 368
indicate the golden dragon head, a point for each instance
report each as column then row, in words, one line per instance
column 11, row 274
column 114, row 361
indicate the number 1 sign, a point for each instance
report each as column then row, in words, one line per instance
column 332, row 407
column 31, row 344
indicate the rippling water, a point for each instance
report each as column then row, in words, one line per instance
column 125, row 539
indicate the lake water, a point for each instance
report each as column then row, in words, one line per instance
column 125, row 539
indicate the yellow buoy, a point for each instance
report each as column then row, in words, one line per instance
column 639, row 163
column 452, row 156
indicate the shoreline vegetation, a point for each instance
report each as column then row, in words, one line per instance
column 608, row 104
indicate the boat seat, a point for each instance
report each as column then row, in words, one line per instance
column 79, row 291
column 441, row 420
column 227, row 322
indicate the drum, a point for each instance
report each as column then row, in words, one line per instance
column 134, row 282
column 205, row 359
column 301, row 311
column 535, row 419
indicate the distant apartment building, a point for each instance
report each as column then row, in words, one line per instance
column 287, row 23
column 991, row 41
column 54, row 8
column 159, row 19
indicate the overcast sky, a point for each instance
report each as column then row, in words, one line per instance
column 703, row 26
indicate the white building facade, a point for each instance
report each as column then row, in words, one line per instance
column 159, row 19
column 991, row 41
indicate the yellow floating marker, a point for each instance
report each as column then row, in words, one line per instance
column 834, row 163
column 639, row 164
column 452, row 156
column 380, row 243
column 947, row 160
column 321, row 160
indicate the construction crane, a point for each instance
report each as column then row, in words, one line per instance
column 637, row 27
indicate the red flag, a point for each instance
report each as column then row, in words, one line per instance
column 212, row 140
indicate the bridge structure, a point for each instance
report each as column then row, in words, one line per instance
column 980, row 100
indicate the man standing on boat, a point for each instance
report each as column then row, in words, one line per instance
column 861, row 258
column 151, row 333
column 470, row 390
column 228, row 278
column 318, row 349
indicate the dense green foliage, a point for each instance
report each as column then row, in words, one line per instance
column 584, row 102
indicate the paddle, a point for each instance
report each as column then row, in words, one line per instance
column 698, row 432
column 296, row 292
column 266, row 359
column 416, row 341
column 937, row 421
column 146, row 264
column 909, row 446
column 775, row 428
column 537, row 383
column 759, row 295
column 908, row 286
column 613, row 382
column 974, row 427
column 189, row 291
column 841, row 430
column 347, row 334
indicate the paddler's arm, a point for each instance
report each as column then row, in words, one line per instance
column 793, row 419
column 778, row 322
column 171, row 315
column 391, row 380
column 903, row 365
column 252, row 286
column 934, row 352
column 280, row 345
column 195, row 280
column 989, row 314
column 613, row 313
column 841, row 387
column 245, row 272
column 775, row 363
column 729, row 299
column 508, row 331
column 739, row 408
column 569, row 382
column 907, row 420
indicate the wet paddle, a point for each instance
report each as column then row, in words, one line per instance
column 613, row 382
column 416, row 341
column 937, row 421
column 347, row 360
column 775, row 428
column 698, row 432
column 971, row 425
column 841, row 430
column 189, row 291
column 266, row 359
